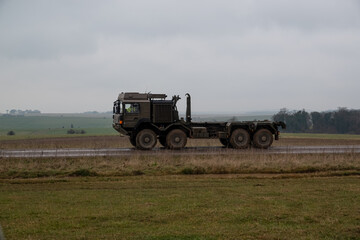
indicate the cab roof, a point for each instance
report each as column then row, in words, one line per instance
column 140, row 96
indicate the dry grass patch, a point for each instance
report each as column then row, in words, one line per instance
column 170, row 164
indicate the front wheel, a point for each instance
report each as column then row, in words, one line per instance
column 263, row 138
column 240, row 138
column 176, row 139
column 146, row 139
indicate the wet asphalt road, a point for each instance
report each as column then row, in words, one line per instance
column 36, row 153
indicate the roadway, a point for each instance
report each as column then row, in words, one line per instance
column 38, row 153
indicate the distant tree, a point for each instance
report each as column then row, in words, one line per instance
column 347, row 121
column 281, row 115
column 296, row 121
column 341, row 121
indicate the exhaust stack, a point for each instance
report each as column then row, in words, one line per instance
column 188, row 108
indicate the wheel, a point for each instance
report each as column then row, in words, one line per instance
column 263, row 138
column 162, row 141
column 224, row 141
column 146, row 139
column 176, row 139
column 240, row 138
column 133, row 141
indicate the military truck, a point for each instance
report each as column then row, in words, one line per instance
column 147, row 118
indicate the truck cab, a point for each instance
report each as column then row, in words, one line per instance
column 131, row 111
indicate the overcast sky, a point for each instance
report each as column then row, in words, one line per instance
column 230, row 55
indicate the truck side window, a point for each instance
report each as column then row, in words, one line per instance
column 132, row 108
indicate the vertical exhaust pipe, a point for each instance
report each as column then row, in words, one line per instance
column 188, row 108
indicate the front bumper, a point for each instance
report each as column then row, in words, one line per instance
column 119, row 128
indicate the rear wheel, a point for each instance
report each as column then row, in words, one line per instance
column 240, row 138
column 146, row 139
column 263, row 138
column 176, row 139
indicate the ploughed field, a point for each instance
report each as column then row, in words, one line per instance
column 170, row 196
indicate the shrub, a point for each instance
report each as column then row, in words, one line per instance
column 137, row 172
column 11, row 133
column 71, row 131
column 83, row 173
column 196, row 170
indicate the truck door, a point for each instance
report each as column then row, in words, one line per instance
column 131, row 114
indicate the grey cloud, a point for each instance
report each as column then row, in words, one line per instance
column 45, row 29
column 253, row 55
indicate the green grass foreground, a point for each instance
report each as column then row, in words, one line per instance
column 181, row 207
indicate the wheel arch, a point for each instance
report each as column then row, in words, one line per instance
column 234, row 126
column 265, row 126
column 171, row 127
column 145, row 123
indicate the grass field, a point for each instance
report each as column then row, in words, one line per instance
column 181, row 207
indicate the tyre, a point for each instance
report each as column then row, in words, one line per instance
column 240, row 138
column 146, row 139
column 176, row 139
column 263, row 138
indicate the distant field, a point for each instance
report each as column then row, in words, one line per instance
column 53, row 122
column 54, row 126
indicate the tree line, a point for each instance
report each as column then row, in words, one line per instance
column 22, row 112
column 342, row 121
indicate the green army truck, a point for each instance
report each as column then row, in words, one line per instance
column 147, row 118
